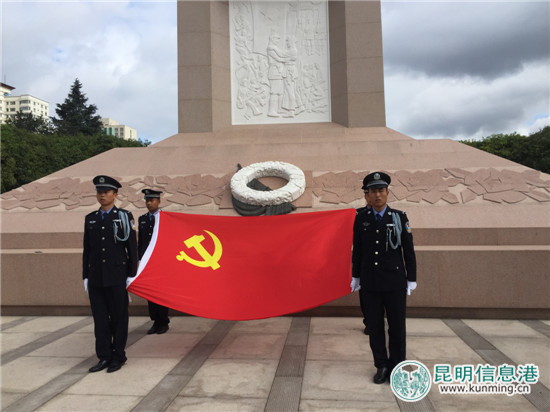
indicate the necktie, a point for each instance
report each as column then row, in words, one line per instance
column 153, row 220
column 378, row 218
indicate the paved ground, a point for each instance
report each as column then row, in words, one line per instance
column 283, row 364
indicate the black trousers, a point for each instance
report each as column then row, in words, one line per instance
column 393, row 304
column 110, row 312
column 363, row 307
column 158, row 313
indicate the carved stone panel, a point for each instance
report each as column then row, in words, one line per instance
column 279, row 62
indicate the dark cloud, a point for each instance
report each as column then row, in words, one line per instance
column 485, row 39
column 468, row 107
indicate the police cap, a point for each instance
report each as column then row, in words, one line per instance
column 150, row 193
column 103, row 182
column 376, row 180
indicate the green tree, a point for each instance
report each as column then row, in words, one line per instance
column 532, row 151
column 31, row 123
column 540, row 148
column 21, row 157
column 27, row 156
column 75, row 116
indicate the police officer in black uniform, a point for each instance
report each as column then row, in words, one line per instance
column 146, row 223
column 109, row 257
column 384, row 261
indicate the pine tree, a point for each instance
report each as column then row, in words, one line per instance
column 75, row 117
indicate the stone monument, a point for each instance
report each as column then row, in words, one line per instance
column 481, row 223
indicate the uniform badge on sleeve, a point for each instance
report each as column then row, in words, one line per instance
column 408, row 227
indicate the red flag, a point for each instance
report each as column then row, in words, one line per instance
column 239, row 268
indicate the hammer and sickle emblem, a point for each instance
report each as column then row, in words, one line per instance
column 208, row 259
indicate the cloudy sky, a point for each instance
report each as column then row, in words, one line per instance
column 453, row 69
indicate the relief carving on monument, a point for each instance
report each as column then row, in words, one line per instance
column 279, row 62
column 451, row 186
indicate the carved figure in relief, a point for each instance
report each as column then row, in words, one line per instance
column 276, row 73
column 243, row 37
column 251, row 97
column 313, row 88
column 320, row 40
column 308, row 30
column 292, row 101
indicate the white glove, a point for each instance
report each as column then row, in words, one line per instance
column 86, row 285
column 128, row 281
column 410, row 287
column 355, row 286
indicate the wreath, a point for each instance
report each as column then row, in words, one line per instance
column 252, row 197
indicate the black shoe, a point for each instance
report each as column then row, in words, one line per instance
column 115, row 365
column 162, row 329
column 153, row 329
column 382, row 375
column 102, row 364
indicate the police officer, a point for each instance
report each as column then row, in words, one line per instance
column 367, row 206
column 109, row 257
column 157, row 313
column 384, row 265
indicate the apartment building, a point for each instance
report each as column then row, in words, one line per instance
column 5, row 91
column 24, row 104
column 112, row 128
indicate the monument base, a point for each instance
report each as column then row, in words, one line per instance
column 480, row 222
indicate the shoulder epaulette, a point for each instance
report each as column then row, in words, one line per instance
column 361, row 210
column 401, row 212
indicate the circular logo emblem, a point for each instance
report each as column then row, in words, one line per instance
column 376, row 176
column 410, row 381
column 101, row 180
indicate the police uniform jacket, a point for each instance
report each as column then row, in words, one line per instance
column 145, row 233
column 382, row 269
column 108, row 261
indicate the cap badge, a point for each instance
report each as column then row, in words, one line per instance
column 101, row 180
column 377, row 176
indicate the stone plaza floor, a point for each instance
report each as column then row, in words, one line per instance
column 277, row 364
